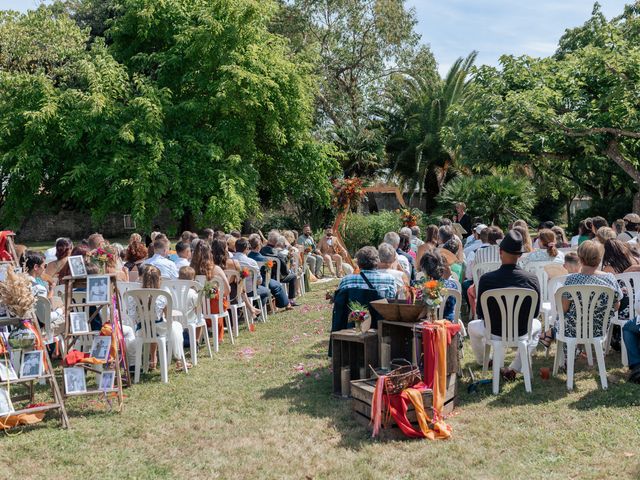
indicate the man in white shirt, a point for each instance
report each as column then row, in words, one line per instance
column 159, row 260
column 473, row 241
column 183, row 252
column 393, row 239
column 242, row 247
column 389, row 264
column 632, row 225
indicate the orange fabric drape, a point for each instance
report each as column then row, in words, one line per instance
column 214, row 309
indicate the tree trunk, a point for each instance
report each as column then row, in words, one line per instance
column 614, row 153
column 186, row 222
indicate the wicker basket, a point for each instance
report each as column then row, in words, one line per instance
column 402, row 377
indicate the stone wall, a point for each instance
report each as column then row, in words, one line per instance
column 46, row 226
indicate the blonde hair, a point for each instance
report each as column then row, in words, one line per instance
column 151, row 277
column 135, row 237
column 605, row 233
column 186, row 273
column 290, row 236
column 526, row 238
column 590, row 253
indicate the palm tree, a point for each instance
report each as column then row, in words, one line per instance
column 415, row 146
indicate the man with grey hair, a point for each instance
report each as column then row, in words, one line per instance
column 389, row 264
column 369, row 277
column 286, row 276
column 404, row 259
column 416, row 241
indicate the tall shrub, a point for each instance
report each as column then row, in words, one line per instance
column 362, row 230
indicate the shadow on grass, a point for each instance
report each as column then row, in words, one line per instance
column 309, row 393
column 623, row 395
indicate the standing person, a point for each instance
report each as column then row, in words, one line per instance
column 463, row 218
column 631, row 227
column 314, row 256
column 508, row 275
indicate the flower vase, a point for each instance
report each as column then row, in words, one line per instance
column 358, row 327
column 431, row 313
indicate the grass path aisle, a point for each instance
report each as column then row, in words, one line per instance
column 263, row 409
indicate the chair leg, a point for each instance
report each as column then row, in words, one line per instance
column 525, row 360
column 598, row 347
column 164, row 364
column 247, row 319
column 608, row 339
column 229, row 328
column 487, row 356
column 234, row 320
column 206, row 339
column 214, row 332
column 138, row 366
column 193, row 344
column 587, row 347
column 571, row 362
column 145, row 357
column 625, row 357
column 556, row 360
column 498, row 354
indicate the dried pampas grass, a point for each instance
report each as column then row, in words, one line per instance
column 16, row 295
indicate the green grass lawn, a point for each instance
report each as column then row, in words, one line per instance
column 263, row 409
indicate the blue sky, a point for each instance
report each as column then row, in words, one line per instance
column 493, row 27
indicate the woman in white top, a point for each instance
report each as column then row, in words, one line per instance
column 547, row 251
column 389, row 264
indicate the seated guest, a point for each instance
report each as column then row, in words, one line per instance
column 235, row 234
column 605, row 233
column 231, row 246
column 286, row 276
column 435, row 268
column 314, row 256
column 583, row 234
column 415, row 239
column 34, row 266
column 186, row 237
column 208, row 234
column 527, row 246
column 275, row 287
column 405, row 242
column 332, row 253
column 631, row 227
column 508, row 275
column 590, row 253
column 369, row 277
column 473, row 241
column 548, row 252
column 449, row 252
column 561, row 238
column 572, row 262
column 183, row 252
column 134, row 256
column 618, row 227
column 63, row 251
column 389, row 264
column 404, row 259
column 96, row 240
column 242, row 248
column 167, row 268
column 597, row 223
column 430, row 242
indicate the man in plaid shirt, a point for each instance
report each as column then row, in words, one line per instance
column 369, row 277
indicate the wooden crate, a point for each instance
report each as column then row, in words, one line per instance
column 407, row 344
column 353, row 350
column 362, row 395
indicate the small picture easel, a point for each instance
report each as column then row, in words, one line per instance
column 76, row 300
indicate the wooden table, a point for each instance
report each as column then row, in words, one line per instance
column 354, row 350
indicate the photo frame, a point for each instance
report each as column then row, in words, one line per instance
column 32, row 364
column 7, row 372
column 107, row 379
column 74, row 380
column 100, row 347
column 6, row 406
column 98, row 289
column 77, row 266
column 79, row 322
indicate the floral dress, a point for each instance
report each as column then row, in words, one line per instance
column 600, row 313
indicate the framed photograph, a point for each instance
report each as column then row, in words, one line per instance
column 31, row 366
column 77, row 266
column 7, row 372
column 74, row 381
column 79, row 322
column 100, row 347
column 97, row 289
column 5, row 402
column 16, row 358
column 107, row 379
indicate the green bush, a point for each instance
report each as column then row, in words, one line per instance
column 497, row 199
column 362, row 230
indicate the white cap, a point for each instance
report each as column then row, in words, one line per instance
column 480, row 227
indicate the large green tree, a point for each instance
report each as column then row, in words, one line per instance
column 572, row 116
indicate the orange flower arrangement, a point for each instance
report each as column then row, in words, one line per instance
column 269, row 263
column 347, row 193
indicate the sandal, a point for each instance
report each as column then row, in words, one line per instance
column 546, row 340
column 508, row 374
column 180, row 367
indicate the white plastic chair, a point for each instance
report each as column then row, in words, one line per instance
column 510, row 301
column 630, row 282
column 251, row 285
column 123, row 288
column 179, row 290
column 538, row 269
column 585, row 298
column 207, row 314
column 456, row 310
column 480, row 269
column 234, row 277
column 43, row 313
column 144, row 301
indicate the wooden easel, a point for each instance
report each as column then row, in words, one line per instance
column 72, row 283
column 47, row 375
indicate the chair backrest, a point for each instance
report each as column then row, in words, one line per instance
column 586, row 299
column 133, row 274
column 510, row 302
column 144, row 304
column 205, row 302
column 277, row 266
column 458, row 297
column 267, row 272
column 233, row 276
column 630, row 285
column 537, row 268
column 480, row 269
column 179, row 290
column 567, row 250
column 552, row 287
column 251, row 282
column 124, row 287
column 43, row 313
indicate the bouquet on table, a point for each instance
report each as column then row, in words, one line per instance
column 358, row 315
column 432, row 293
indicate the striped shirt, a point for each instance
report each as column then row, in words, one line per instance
column 383, row 282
